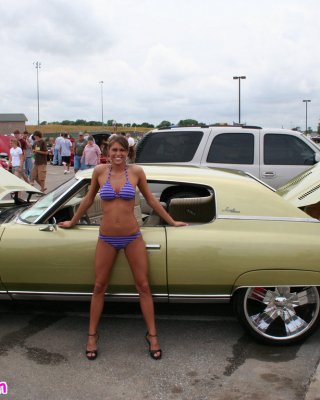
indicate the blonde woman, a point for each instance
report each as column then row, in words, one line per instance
column 119, row 229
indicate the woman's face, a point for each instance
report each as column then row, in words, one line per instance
column 117, row 153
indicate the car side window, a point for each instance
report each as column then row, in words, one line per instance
column 232, row 148
column 168, row 147
column 286, row 150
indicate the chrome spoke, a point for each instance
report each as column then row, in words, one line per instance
column 307, row 296
column 293, row 323
column 263, row 320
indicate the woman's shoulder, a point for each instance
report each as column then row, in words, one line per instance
column 136, row 169
column 101, row 168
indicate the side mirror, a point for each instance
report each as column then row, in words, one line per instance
column 317, row 157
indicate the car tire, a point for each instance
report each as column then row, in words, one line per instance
column 279, row 315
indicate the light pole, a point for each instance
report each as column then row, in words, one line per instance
column 239, row 78
column 306, row 101
column 37, row 65
column 101, row 86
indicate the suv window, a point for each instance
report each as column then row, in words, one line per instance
column 168, row 147
column 286, row 150
column 232, row 148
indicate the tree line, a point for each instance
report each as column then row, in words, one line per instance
column 113, row 123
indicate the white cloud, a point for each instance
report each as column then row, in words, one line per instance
column 161, row 60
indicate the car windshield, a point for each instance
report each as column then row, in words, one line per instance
column 31, row 214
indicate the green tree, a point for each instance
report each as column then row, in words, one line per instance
column 188, row 122
column 43, row 123
column 146, row 125
column 164, row 124
column 80, row 122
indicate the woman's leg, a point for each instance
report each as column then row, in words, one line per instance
column 137, row 257
column 104, row 259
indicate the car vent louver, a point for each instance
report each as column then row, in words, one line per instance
column 309, row 192
column 296, row 181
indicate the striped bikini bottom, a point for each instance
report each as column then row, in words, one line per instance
column 119, row 242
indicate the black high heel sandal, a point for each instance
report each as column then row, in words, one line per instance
column 92, row 354
column 153, row 352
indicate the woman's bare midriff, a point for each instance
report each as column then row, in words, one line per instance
column 118, row 218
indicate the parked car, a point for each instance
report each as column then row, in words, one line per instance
column 244, row 244
column 5, row 146
column 272, row 155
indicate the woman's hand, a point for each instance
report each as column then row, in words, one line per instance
column 179, row 223
column 65, row 224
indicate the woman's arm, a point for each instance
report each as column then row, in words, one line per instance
column 152, row 201
column 85, row 202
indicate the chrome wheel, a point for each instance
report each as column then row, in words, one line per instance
column 281, row 314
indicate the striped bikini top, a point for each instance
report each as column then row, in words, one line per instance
column 127, row 192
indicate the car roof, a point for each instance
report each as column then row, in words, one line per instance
column 236, row 192
column 225, row 128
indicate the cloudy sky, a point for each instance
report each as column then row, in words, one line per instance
column 162, row 60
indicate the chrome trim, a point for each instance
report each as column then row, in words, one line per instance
column 153, row 246
column 4, row 295
column 85, row 296
column 265, row 218
column 202, row 298
column 80, row 296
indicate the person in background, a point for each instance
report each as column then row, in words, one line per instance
column 28, row 163
column 132, row 152
column 23, row 144
column 65, row 151
column 39, row 170
column 79, row 146
column 16, row 158
column 91, row 154
column 56, row 154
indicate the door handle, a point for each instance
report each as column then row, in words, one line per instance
column 269, row 174
column 153, row 246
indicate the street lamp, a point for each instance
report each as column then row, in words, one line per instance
column 239, row 78
column 306, row 101
column 101, row 86
column 37, row 65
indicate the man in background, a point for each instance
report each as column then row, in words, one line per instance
column 79, row 146
column 39, row 170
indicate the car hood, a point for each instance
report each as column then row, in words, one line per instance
column 10, row 183
column 304, row 189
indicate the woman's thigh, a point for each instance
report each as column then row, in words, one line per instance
column 104, row 259
column 137, row 257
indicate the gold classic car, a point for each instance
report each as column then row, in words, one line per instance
column 244, row 244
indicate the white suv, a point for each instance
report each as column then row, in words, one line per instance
column 272, row 155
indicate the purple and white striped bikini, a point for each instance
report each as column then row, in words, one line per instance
column 127, row 192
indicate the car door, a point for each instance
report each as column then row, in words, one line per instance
column 38, row 259
column 283, row 156
column 198, row 262
column 236, row 150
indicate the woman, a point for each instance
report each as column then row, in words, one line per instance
column 91, row 154
column 119, row 230
column 16, row 158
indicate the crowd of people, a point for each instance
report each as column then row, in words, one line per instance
column 29, row 154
